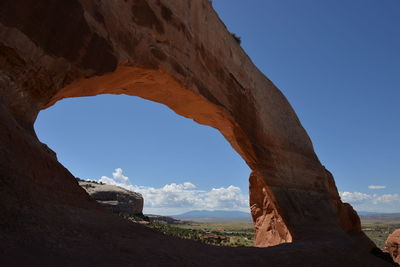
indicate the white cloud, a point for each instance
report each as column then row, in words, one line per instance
column 117, row 175
column 387, row 198
column 354, row 197
column 372, row 202
column 175, row 198
column 227, row 198
column 376, row 186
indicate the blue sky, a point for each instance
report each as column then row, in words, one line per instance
column 337, row 62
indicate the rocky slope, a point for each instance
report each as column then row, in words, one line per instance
column 178, row 53
column 163, row 219
column 115, row 198
column 392, row 245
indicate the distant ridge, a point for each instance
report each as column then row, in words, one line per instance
column 379, row 217
column 369, row 213
column 217, row 214
column 377, row 213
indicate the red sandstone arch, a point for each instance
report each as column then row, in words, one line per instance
column 158, row 86
column 173, row 52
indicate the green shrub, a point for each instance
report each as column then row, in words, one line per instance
column 236, row 37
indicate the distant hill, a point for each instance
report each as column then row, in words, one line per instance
column 213, row 214
column 371, row 217
column 368, row 213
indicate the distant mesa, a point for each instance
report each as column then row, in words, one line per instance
column 126, row 203
column 115, row 198
column 163, row 219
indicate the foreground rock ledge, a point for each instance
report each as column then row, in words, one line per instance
column 180, row 54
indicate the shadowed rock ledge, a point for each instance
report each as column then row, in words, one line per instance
column 115, row 198
column 180, row 54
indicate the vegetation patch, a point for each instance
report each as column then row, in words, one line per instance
column 233, row 235
column 237, row 38
column 379, row 232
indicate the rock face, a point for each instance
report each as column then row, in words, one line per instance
column 163, row 219
column 180, row 54
column 115, row 198
column 392, row 245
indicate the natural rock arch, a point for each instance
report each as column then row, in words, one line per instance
column 177, row 53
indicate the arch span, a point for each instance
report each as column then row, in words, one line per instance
column 158, row 86
column 178, row 53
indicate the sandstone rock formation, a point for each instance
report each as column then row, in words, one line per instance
column 180, row 54
column 163, row 219
column 115, row 198
column 392, row 245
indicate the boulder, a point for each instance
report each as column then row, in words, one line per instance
column 115, row 198
column 392, row 245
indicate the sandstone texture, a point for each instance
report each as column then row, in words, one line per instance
column 115, row 198
column 392, row 245
column 178, row 53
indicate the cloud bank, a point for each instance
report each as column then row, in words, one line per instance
column 372, row 202
column 176, row 198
